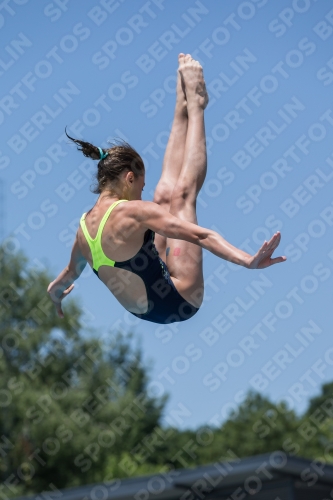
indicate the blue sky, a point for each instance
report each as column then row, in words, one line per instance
column 107, row 70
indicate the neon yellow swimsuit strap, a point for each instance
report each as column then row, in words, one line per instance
column 105, row 218
column 98, row 256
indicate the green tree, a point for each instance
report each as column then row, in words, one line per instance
column 70, row 406
column 316, row 426
column 75, row 410
column 257, row 426
column 324, row 401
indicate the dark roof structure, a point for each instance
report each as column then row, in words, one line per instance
column 272, row 476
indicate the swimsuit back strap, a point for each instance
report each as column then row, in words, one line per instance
column 98, row 256
column 105, row 218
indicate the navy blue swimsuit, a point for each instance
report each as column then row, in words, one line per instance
column 165, row 304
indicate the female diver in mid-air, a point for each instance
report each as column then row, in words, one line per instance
column 157, row 279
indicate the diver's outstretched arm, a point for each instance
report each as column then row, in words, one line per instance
column 151, row 216
column 64, row 283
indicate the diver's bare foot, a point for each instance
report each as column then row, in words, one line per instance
column 193, row 82
column 181, row 103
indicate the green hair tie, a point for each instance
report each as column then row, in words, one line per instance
column 101, row 154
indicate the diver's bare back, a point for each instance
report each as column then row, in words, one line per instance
column 122, row 238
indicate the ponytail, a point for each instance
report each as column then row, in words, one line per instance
column 89, row 150
column 118, row 158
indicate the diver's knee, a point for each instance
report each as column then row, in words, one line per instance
column 163, row 193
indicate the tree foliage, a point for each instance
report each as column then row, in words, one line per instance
column 75, row 410
column 68, row 403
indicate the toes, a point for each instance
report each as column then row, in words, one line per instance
column 181, row 58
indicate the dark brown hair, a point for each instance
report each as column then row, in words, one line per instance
column 121, row 157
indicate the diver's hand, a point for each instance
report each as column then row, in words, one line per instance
column 52, row 291
column 263, row 257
